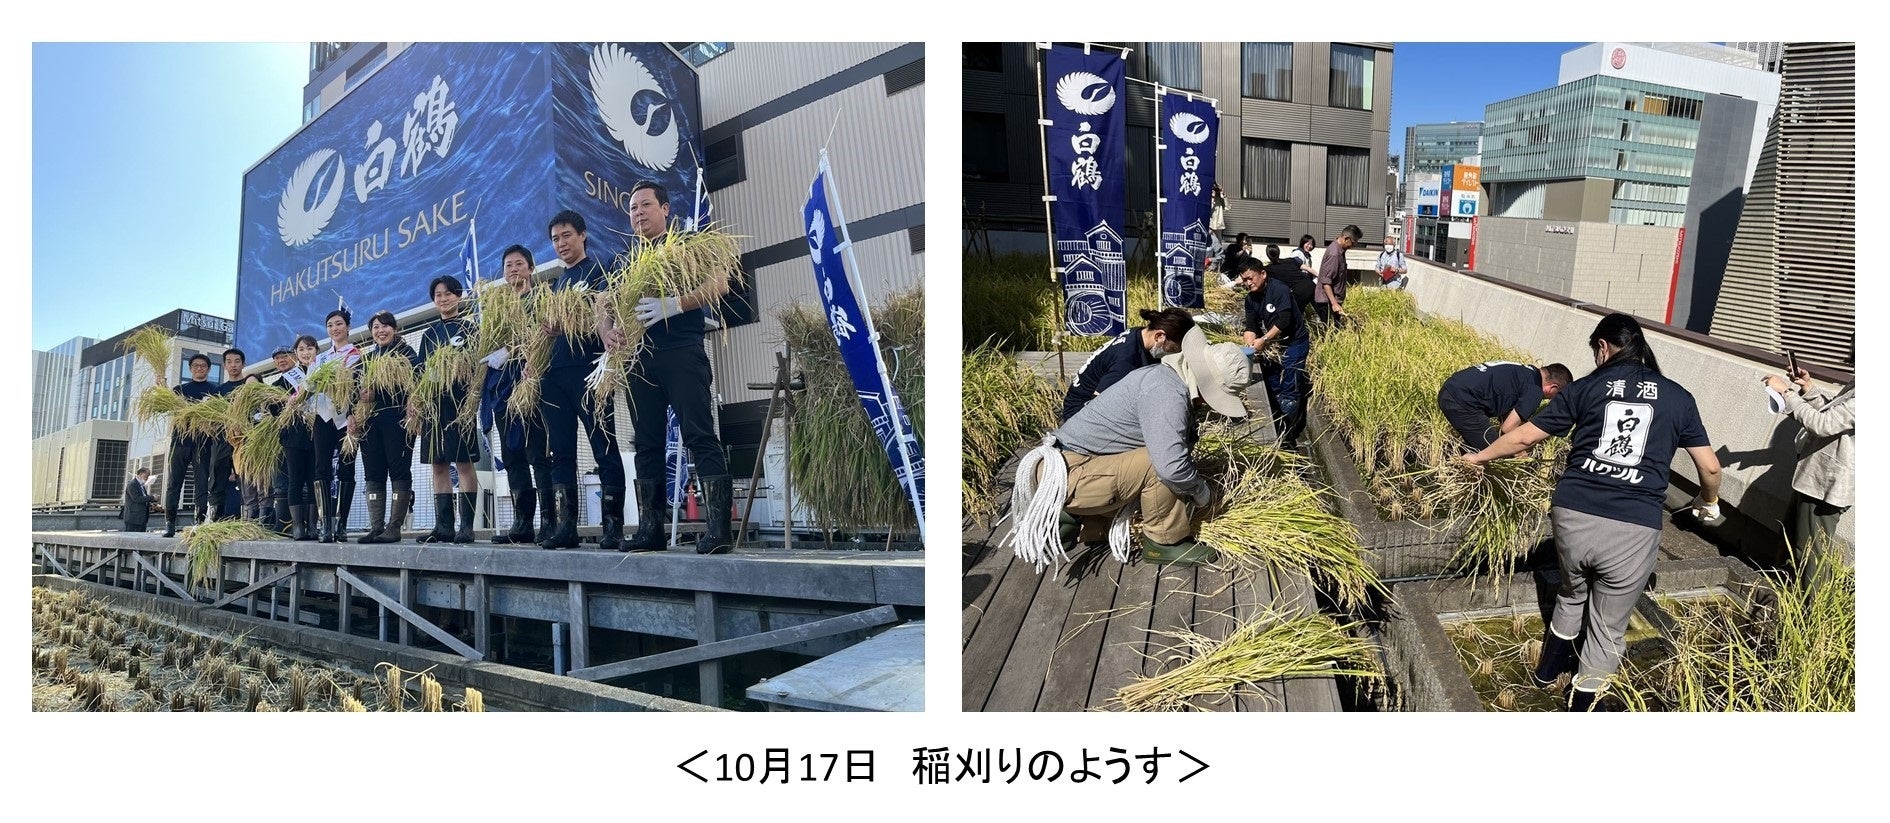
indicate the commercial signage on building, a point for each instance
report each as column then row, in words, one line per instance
column 1461, row 190
column 377, row 196
column 1558, row 229
column 1427, row 198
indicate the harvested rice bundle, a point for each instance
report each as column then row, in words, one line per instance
column 1280, row 521
column 205, row 543
column 1273, row 645
column 390, row 375
column 155, row 401
column 152, row 345
column 332, row 380
column 448, row 370
column 838, row 467
column 258, row 455
column 249, row 400
column 207, row 418
column 536, row 354
column 1006, row 408
column 693, row 266
column 504, row 319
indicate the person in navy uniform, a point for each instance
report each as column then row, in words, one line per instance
column 386, row 447
column 136, row 509
column 1490, row 399
column 300, row 454
column 1627, row 420
column 1273, row 317
column 521, row 439
column 222, row 453
column 563, row 406
column 190, row 454
column 1159, row 336
column 671, row 369
column 442, row 443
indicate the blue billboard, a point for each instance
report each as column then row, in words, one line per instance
column 377, row 196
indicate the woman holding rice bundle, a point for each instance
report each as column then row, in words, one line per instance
column 386, row 447
column 334, row 466
column 298, row 443
column 443, row 442
column 521, row 437
column 1627, row 420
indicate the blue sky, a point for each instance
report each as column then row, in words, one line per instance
column 138, row 159
column 1441, row 82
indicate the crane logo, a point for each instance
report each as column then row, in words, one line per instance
column 634, row 108
column 295, row 219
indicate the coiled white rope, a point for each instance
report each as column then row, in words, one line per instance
column 1037, row 497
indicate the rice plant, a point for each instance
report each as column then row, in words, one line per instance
column 1377, row 384
column 448, row 371
column 1279, row 520
column 206, row 418
column 1006, row 407
column 205, row 544
column 692, row 266
column 1013, row 303
column 258, row 454
column 155, row 401
column 1790, row 645
column 839, row 469
column 1273, row 645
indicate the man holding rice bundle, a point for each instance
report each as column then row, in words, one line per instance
column 222, row 451
column 1128, row 450
column 561, row 396
column 1626, row 420
column 1497, row 390
column 189, row 453
column 670, row 369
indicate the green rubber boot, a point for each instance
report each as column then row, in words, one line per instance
column 1188, row 552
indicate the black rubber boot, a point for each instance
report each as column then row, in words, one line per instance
column 298, row 523
column 565, row 535
column 342, row 505
column 521, row 533
column 170, row 525
column 442, row 520
column 285, row 518
column 1558, row 658
column 652, row 518
column 376, row 513
column 718, row 494
column 463, row 534
column 612, row 538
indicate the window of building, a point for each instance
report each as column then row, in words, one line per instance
column 1176, row 65
column 367, row 67
column 727, row 164
column 320, row 55
column 1348, row 176
column 311, row 108
column 984, row 56
column 1265, row 169
column 700, row 53
column 1266, row 71
column 987, row 157
column 1351, row 77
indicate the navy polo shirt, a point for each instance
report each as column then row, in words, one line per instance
column 1627, row 422
column 1108, row 365
column 195, row 391
column 1496, row 388
column 570, row 351
column 1273, row 306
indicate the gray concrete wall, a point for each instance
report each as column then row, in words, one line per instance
column 1627, row 268
column 1755, row 447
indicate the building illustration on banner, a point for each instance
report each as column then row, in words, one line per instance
column 1181, row 263
column 1094, row 271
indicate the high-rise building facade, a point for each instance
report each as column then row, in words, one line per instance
column 1429, row 147
column 1791, row 281
column 1304, row 129
column 54, row 371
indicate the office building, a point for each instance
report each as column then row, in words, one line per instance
column 1791, row 280
column 53, row 374
column 1699, row 67
column 1298, row 153
column 1429, row 147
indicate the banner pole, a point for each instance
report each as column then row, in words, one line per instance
column 1049, row 223
column 895, row 406
column 1161, row 274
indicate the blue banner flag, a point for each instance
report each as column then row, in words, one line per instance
column 1084, row 154
column 853, row 329
column 1190, row 128
column 675, row 459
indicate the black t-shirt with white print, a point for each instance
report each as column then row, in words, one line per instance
column 1627, row 420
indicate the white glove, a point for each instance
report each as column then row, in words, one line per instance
column 496, row 360
column 1205, row 497
column 651, row 310
column 1704, row 511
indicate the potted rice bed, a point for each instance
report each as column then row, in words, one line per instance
column 1388, row 453
column 1709, row 635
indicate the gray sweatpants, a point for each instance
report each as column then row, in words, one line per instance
column 1605, row 565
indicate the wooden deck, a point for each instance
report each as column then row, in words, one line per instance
column 1067, row 639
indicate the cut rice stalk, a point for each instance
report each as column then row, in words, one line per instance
column 1273, row 645
column 205, row 544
